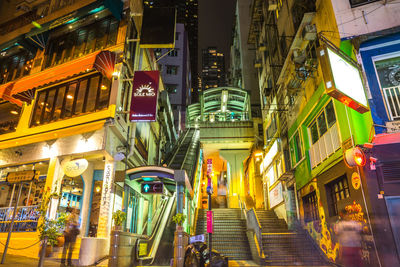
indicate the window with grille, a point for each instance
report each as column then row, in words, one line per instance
column 388, row 70
column 336, row 190
column 296, row 148
column 74, row 98
column 310, row 204
column 171, row 88
column 82, row 41
column 172, row 70
column 16, row 65
column 173, row 53
column 355, row 3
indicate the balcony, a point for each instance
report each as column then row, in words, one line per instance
column 325, row 146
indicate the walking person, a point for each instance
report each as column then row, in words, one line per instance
column 70, row 233
column 349, row 237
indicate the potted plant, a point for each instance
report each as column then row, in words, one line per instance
column 179, row 219
column 61, row 222
column 49, row 230
column 118, row 217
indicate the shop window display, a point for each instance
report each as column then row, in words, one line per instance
column 28, row 214
column 71, row 194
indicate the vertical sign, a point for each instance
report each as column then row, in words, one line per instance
column 144, row 96
column 105, row 201
column 209, row 166
column 210, row 222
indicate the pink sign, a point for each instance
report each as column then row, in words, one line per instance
column 210, row 222
column 144, row 96
column 209, row 166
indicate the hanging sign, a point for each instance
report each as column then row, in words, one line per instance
column 144, row 96
column 75, row 167
column 355, row 180
column 22, row 176
column 210, row 222
column 343, row 79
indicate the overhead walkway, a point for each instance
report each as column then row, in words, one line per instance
column 156, row 247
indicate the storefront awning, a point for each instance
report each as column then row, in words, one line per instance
column 5, row 92
column 387, row 138
column 24, row 89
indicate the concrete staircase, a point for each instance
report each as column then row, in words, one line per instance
column 283, row 247
column 229, row 236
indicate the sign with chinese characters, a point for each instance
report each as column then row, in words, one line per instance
column 343, row 79
column 103, row 227
column 355, row 180
column 393, row 126
column 275, row 195
column 197, row 238
column 209, row 166
column 22, row 176
column 210, row 222
column 144, row 96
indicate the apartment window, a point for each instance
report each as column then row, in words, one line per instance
column 173, row 53
column 310, row 204
column 388, row 71
column 172, row 70
column 324, row 121
column 336, row 191
column 71, row 99
column 272, row 128
column 296, row 148
column 177, row 36
column 85, row 40
column 171, row 88
column 355, row 3
column 10, row 114
column 16, row 65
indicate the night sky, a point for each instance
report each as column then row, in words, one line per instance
column 215, row 26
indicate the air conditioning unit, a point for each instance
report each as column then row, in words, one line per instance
column 310, row 32
column 272, row 5
column 299, row 56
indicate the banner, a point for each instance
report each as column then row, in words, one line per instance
column 144, row 96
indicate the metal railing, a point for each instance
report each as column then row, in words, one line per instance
column 26, row 218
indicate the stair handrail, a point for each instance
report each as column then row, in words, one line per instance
column 178, row 145
column 254, row 225
column 159, row 230
column 242, row 207
column 187, row 152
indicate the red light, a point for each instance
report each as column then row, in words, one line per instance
column 355, row 157
column 359, row 158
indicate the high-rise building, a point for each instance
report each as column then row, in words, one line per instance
column 174, row 66
column 242, row 73
column 213, row 68
column 187, row 13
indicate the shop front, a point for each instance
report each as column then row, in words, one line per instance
column 73, row 174
column 331, row 195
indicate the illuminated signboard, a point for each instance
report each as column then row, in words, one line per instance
column 22, row 176
column 144, row 96
column 152, row 188
column 343, row 79
column 269, row 156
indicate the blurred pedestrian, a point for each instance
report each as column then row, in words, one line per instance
column 349, row 236
column 70, row 233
